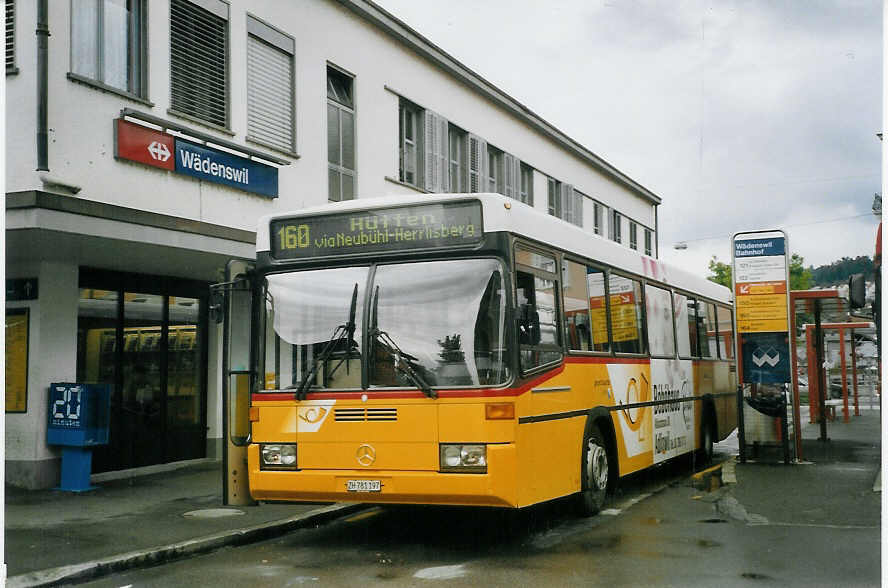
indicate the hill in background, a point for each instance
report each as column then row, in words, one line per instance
column 838, row 272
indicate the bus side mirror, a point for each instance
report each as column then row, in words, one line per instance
column 217, row 304
column 857, row 291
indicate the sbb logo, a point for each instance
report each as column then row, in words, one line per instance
column 159, row 151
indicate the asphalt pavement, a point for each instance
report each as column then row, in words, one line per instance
column 55, row 537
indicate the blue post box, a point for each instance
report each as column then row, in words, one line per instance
column 79, row 416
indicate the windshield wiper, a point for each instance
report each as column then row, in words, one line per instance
column 344, row 332
column 400, row 360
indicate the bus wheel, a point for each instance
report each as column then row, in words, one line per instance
column 595, row 473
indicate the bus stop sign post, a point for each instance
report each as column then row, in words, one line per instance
column 761, row 299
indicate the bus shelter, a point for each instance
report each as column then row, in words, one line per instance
column 819, row 312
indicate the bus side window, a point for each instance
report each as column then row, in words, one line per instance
column 576, row 306
column 537, row 320
column 725, row 333
column 627, row 318
column 680, row 303
column 661, row 338
column 693, row 331
column 706, row 329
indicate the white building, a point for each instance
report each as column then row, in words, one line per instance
column 144, row 140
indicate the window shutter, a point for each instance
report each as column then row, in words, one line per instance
column 567, row 203
column 512, row 176
column 269, row 95
column 477, row 163
column 198, row 63
column 10, row 35
column 436, row 175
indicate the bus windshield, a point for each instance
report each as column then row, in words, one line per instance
column 438, row 324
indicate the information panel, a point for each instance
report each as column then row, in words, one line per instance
column 424, row 226
column 16, row 360
column 761, row 296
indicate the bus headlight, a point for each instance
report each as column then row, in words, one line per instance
column 464, row 458
column 277, row 457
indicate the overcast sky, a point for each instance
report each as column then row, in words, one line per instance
column 739, row 115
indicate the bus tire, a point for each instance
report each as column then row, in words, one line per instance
column 595, row 470
column 707, row 436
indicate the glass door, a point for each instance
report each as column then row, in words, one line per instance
column 138, row 335
column 143, row 369
column 184, row 410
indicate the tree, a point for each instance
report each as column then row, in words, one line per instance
column 799, row 275
column 721, row 272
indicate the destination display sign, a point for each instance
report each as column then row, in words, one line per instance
column 423, row 226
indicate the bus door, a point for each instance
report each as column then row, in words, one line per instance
column 232, row 303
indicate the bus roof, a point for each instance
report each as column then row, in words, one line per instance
column 506, row 214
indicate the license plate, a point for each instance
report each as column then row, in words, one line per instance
column 364, row 486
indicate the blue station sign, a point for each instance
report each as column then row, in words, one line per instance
column 225, row 168
column 148, row 146
column 760, row 247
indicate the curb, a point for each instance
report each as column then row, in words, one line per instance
column 709, row 479
column 166, row 553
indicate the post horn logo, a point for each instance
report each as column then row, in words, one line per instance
column 313, row 414
column 365, row 455
column 636, row 394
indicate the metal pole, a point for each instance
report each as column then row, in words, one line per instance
column 854, row 374
column 741, row 432
column 784, row 429
column 818, row 342
column 845, row 416
column 813, row 402
column 796, row 417
column 42, row 85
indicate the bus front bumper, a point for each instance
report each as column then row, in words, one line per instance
column 497, row 487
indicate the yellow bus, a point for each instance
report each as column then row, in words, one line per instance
column 465, row 349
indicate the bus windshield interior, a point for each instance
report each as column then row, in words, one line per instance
column 429, row 324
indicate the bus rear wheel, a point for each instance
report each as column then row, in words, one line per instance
column 595, row 473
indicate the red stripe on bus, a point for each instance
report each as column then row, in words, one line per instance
column 416, row 394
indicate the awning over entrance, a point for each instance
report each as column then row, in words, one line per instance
column 45, row 226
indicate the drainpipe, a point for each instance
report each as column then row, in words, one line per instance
column 42, row 84
column 657, row 231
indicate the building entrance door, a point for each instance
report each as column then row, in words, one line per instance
column 150, row 347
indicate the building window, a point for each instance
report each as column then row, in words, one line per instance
column 633, row 235
column 340, row 135
column 525, row 194
column 648, row 242
column 10, row 37
column 270, row 86
column 410, row 143
column 107, row 38
column 597, row 218
column 554, row 197
column 495, row 170
column 565, row 202
column 616, row 227
column 199, row 60
column 457, row 159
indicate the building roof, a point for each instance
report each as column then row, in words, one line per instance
column 403, row 33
